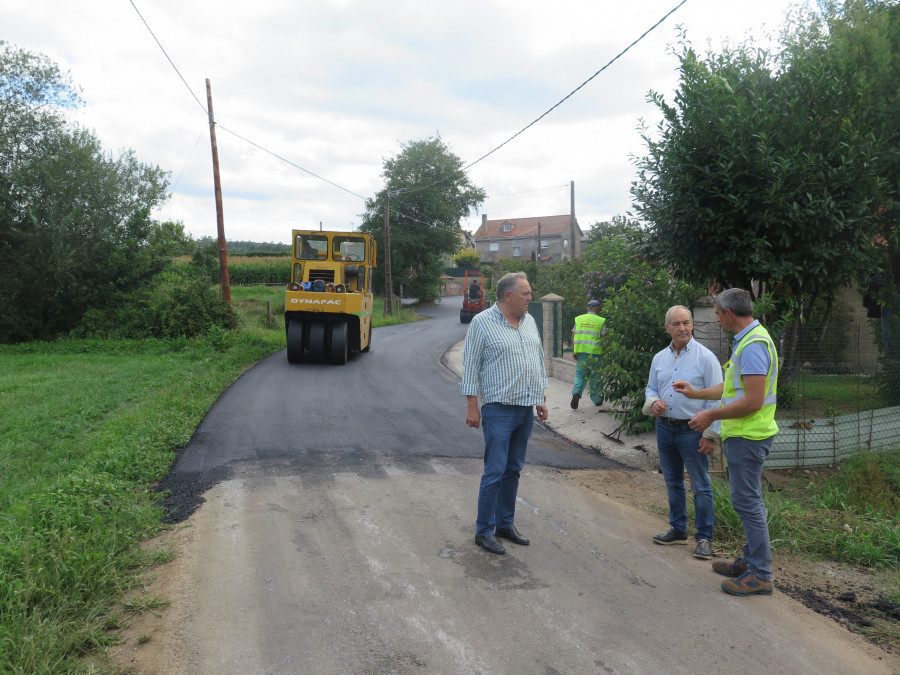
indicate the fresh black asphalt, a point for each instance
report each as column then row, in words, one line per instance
column 397, row 402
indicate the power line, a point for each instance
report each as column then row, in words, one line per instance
column 297, row 166
column 203, row 107
column 561, row 101
column 579, row 87
column 206, row 113
column 438, row 182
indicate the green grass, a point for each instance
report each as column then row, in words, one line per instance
column 86, row 427
column 850, row 515
column 826, row 396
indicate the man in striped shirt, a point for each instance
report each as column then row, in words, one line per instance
column 503, row 363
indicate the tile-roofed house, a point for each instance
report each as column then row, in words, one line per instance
column 517, row 238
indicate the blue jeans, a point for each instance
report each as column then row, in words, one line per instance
column 679, row 449
column 506, row 432
column 745, row 466
column 587, row 369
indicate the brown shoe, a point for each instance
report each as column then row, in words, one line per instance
column 733, row 568
column 747, row 584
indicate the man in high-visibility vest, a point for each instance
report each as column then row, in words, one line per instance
column 586, row 345
column 747, row 411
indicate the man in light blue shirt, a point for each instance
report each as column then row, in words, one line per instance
column 503, row 363
column 679, row 446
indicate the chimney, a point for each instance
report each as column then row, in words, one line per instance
column 483, row 223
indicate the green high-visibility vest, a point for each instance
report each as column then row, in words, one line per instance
column 588, row 330
column 761, row 424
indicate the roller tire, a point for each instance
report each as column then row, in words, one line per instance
column 316, row 345
column 339, row 346
column 295, row 346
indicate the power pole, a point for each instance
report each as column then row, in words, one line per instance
column 220, row 217
column 537, row 256
column 574, row 239
column 388, row 290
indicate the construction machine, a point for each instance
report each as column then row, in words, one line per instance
column 328, row 301
column 473, row 295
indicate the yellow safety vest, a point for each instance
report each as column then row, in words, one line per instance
column 588, row 330
column 761, row 424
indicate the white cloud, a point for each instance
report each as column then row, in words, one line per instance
column 336, row 86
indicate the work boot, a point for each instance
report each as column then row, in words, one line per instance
column 574, row 403
column 730, row 568
column 747, row 584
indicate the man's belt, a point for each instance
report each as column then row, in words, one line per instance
column 674, row 423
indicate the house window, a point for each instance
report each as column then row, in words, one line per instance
column 517, row 250
column 507, row 227
column 495, row 246
column 544, row 244
column 565, row 243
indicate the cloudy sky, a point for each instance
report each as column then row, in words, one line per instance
column 335, row 86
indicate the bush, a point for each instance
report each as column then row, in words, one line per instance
column 635, row 314
column 179, row 302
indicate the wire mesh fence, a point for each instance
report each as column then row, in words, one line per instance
column 838, row 393
column 834, row 398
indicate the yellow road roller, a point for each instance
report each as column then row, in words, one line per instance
column 328, row 301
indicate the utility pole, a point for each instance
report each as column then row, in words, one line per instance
column 574, row 239
column 537, row 256
column 220, row 217
column 388, row 290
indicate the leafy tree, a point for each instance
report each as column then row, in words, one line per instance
column 765, row 169
column 75, row 226
column 617, row 226
column 865, row 34
column 468, row 258
column 429, row 197
column 635, row 294
column 635, row 314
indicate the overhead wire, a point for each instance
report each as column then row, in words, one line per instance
column 561, row 101
column 449, row 177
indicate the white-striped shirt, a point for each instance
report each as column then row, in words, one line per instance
column 502, row 364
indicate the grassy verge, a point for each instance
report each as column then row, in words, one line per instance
column 846, row 515
column 85, row 428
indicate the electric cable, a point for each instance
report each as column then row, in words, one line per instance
column 558, row 103
column 438, row 182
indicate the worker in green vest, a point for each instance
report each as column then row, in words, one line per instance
column 587, row 339
column 747, row 411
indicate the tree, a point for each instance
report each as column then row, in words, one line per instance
column 617, row 226
column 635, row 293
column 866, row 35
column 765, row 169
column 75, row 226
column 429, row 196
column 468, row 258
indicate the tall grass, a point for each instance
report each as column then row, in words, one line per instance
column 851, row 516
column 86, row 427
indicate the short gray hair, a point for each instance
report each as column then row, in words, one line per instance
column 508, row 282
column 673, row 308
column 737, row 300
